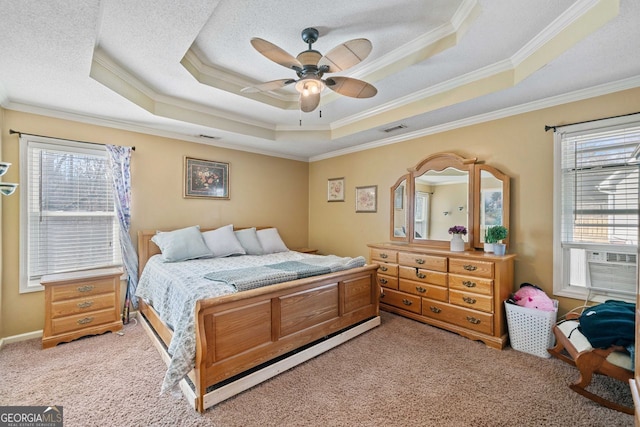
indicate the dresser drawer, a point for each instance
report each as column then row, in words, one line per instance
column 82, row 289
column 390, row 282
column 423, row 289
column 429, row 262
column 471, row 300
column 469, row 319
column 421, row 275
column 388, row 269
column 83, row 305
column 384, row 255
column 82, row 321
column 471, row 267
column 401, row 300
column 471, row 284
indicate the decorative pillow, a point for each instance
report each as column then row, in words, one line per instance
column 182, row 244
column 270, row 240
column 223, row 242
column 249, row 241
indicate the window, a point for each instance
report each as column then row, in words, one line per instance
column 68, row 218
column 596, row 208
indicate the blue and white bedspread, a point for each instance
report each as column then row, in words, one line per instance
column 174, row 288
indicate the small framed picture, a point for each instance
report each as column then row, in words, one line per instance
column 367, row 198
column 206, row 178
column 335, row 190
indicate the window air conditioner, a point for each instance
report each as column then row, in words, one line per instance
column 612, row 272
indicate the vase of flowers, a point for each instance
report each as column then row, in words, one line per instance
column 457, row 244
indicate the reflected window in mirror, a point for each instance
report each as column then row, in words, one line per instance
column 399, row 210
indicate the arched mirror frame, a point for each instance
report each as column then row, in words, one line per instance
column 439, row 162
column 400, row 206
column 477, row 212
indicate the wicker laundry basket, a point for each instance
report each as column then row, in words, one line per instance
column 530, row 329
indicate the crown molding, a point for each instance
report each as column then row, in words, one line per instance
column 579, row 95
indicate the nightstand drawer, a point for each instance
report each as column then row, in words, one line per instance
column 81, row 321
column 83, row 305
column 82, row 289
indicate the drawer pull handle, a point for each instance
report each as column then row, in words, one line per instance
column 85, row 320
column 420, row 275
column 419, row 261
column 469, row 267
column 383, row 281
column 435, row 309
column 473, row 320
column 421, row 289
column 407, row 302
column 381, row 293
column 85, row 288
column 85, row 304
column 469, row 283
column 384, row 256
column 383, row 268
column 469, row 300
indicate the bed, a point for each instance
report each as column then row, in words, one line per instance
column 244, row 338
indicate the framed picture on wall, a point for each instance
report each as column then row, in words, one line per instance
column 490, row 208
column 367, row 198
column 335, row 190
column 206, row 178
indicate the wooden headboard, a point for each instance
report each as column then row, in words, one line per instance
column 147, row 249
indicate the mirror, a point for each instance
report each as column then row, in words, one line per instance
column 399, row 209
column 492, row 188
column 444, row 190
column 441, row 199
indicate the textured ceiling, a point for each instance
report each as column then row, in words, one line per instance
column 176, row 67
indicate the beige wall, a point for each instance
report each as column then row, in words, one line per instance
column 264, row 191
column 517, row 145
column 261, row 186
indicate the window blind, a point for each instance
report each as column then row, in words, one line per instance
column 72, row 224
column 600, row 186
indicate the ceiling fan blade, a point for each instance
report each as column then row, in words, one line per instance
column 274, row 53
column 266, row 87
column 351, row 87
column 309, row 102
column 346, row 55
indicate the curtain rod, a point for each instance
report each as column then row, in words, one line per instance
column 547, row 127
column 11, row 132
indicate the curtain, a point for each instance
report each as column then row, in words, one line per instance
column 119, row 163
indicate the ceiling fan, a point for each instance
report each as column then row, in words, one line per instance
column 310, row 66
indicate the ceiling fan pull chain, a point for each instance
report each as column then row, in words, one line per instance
column 320, row 113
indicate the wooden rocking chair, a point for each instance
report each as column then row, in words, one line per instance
column 574, row 348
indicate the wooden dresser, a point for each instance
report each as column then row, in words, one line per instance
column 80, row 303
column 463, row 292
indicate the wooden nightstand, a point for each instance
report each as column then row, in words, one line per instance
column 80, row 303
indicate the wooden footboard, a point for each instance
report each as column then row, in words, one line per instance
column 238, row 332
column 251, row 331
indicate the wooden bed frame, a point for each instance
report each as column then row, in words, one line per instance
column 248, row 337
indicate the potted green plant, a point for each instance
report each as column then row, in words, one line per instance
column 488, row 243
column 496, row 235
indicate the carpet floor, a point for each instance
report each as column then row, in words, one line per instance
column 402, row 373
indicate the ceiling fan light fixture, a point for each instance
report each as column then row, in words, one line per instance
column 309, row 86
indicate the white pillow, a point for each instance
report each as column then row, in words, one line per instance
column 270, row 240
column 182, row 244
column 249, row 241
column 223, row 242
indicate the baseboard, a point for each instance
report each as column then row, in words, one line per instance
column 21, row 337
column 38, row 334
